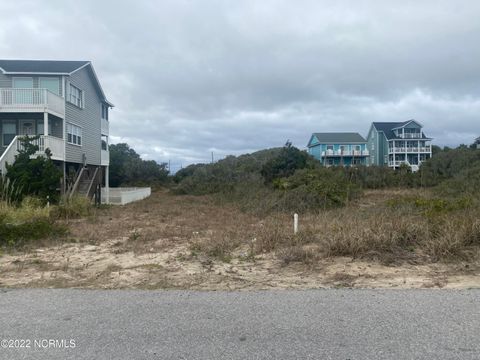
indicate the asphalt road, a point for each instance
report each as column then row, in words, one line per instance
column 316, row 324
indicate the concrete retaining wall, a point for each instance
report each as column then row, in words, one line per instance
column 122, row 196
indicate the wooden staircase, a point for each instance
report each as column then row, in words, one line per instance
column 84, row 187
column 88, row 180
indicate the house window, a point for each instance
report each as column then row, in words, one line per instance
column 104, row 112
column 75, row 96
column 51, row 84
column 357, row 147
column 23, row 96
column 105, row 142
column 40, row 127
column 74, row 134
column 329, row 147
column 9, row 131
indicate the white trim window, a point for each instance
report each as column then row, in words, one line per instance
column 50, row 83
column 104, row 112
column 104, row 143
column 9, row 131
column 74, row 134
column 75, row 96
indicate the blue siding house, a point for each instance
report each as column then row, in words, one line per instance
column 395, row 143
column 338, row 149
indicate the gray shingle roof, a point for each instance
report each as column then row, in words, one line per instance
column 339, row 138
column 387, row 128
column 41, row 66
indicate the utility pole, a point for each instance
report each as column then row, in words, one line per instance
column 212, row 157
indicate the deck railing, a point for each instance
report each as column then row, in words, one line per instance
column 400, row 162
column 56, row 146
column 397, row 162
column 422, row 149
column 345, row 153
column 31, row 100
column 411, row 135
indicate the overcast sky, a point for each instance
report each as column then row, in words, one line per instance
column 192, row 77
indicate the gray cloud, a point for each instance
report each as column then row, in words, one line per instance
column 191, row 77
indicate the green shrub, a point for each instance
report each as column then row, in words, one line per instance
column 36, row 176
column 28, row 221
column 289, row 160
column 454, row 163
column 317, row 188
column 223, row 176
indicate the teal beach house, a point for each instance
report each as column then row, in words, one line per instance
column 338, row 148
column 395, row 143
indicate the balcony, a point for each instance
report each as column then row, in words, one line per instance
column 424, row 149
column 345, row 153
column 410, row 136
column 31, row 100
column 397, row 163
column 56, row 146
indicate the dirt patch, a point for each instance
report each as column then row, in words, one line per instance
column 90, row 266
column 182, row 242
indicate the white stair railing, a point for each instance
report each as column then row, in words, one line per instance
column 56, row 146
column 8, row 155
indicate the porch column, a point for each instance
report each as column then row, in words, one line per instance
column 45, row 123
column 64, row 182
column 418, row 151
column 107, row 186
column 394, row 158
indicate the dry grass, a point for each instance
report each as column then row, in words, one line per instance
column 169, row 241
column 365, row 229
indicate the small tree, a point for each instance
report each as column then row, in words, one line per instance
column 285, row 164
column 127, row 168
column 36, row 176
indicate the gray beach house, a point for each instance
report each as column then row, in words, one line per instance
column 61, row 102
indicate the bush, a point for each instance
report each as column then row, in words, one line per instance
column 319, row 188
column 223, row 176
column 28, row 221
column 36, row 176
column 289, row 160
column 454, row 163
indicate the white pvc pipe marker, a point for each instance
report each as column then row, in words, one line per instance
column 295, row 223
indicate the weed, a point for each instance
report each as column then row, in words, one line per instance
column 72, row 208
column 28, row 221
column 134, row 235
